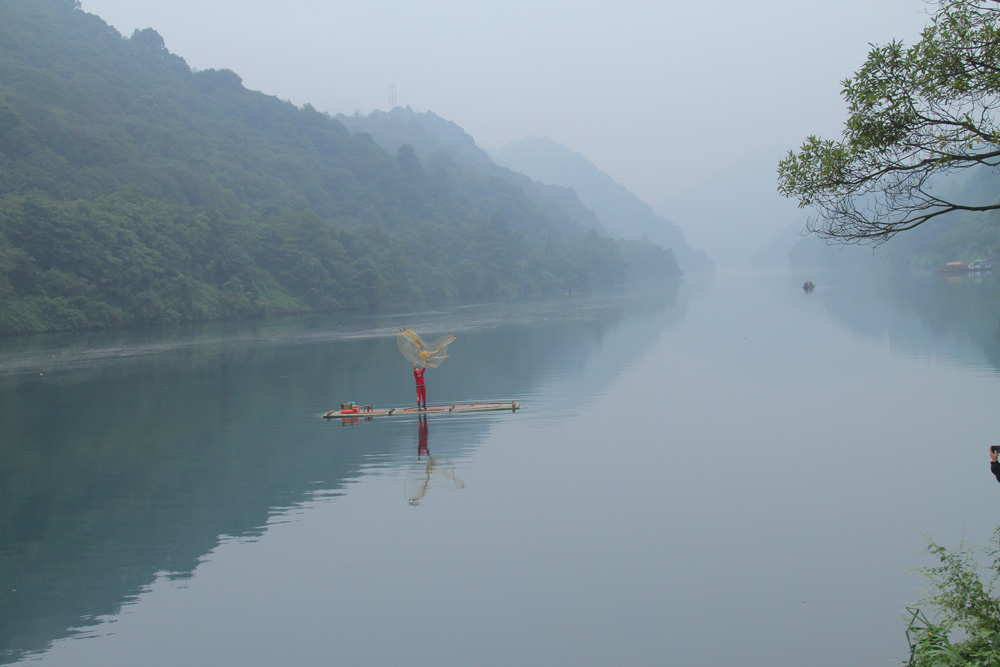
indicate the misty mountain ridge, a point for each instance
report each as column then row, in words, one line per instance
column 737, row 210
column 622, row 213
column 425, row 131
column 451, row 155
column 443, row 145
column 569, row 184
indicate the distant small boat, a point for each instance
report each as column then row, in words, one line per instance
column 354, row 411
column 808, row 286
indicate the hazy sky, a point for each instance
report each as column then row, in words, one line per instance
column 659, row 94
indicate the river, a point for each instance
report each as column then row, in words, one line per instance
column 731, row 471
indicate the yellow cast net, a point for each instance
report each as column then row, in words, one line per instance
column 420, row 353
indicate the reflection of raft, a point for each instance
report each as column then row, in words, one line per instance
column 354, row 411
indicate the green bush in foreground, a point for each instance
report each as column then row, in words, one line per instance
column 966, row 609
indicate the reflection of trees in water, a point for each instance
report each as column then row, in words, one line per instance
column 956, row 317
column 118, row 469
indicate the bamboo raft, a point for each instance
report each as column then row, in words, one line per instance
column 354, row 411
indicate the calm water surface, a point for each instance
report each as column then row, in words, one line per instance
column 734, row 472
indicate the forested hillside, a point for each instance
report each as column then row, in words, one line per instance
column 622, row 213
column 443, row 145
column 134, row 190
column 447, row 150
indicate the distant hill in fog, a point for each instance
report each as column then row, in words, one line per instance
column 792, row 248
column 736, row 211
column 960, row 236
column 621, row 212
column 440, row 143
column 448, row 152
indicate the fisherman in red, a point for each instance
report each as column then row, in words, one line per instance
column 418, row 375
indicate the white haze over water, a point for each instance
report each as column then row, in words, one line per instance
column 662, row 96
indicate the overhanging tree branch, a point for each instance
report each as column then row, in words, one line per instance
column 915, row 115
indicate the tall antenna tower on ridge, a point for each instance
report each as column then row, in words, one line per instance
column 392, row 96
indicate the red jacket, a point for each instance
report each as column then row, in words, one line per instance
column 418, row 374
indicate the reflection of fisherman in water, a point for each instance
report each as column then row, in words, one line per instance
column 422, row 439
column 433, row 472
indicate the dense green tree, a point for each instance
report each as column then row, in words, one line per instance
column 916, row 116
